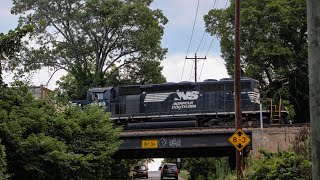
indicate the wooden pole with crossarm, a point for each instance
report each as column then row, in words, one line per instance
column 195, row 65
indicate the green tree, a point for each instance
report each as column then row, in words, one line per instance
column 123, row 168
column 10, row 44
column 200, row 167
column 273, row 46
column 142, row 72
column 3, row 163
column 43, row 143
column 91, row 39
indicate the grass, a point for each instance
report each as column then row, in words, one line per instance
column 184, row 174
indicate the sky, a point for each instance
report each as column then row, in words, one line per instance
column 177, row 34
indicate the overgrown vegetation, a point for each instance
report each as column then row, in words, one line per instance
column 206, row 168
column 292, row 164
column 282, row 165
column 274, row 47
column 3, row 163
column 42, row 143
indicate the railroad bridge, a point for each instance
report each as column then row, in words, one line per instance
column 201, row 142
column 188, row 142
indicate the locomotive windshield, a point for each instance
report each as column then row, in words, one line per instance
column 97, row 96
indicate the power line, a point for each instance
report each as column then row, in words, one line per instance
column 201, row 41
column 225, row 6
column 191, row 72
column 194, row 23
column 210, row 44
column 213, row 38
column 204, row 44
column 205, row 59
column 204, row 33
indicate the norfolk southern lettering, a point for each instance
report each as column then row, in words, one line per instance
column 184, row 105
column 189, row 95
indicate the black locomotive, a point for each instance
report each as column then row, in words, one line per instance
column 208, row 103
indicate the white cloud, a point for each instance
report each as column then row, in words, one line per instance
column 213, row 68
column 40, row 77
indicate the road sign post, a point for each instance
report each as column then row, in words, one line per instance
column 237, row 84
column 239, row 140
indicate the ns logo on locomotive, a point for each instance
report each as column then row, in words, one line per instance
column 208, row 103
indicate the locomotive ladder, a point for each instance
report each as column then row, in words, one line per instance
column 275, row 112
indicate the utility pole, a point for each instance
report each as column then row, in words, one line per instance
column 237, row 86
column 195, row 65
column 313, row 20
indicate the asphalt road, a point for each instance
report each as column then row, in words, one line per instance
column 155, row 175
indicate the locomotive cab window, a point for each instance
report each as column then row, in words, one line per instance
column 97, row 96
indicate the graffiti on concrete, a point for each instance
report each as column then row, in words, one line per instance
column 170, row 142
column 175, row 142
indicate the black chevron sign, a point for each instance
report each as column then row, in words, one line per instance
column 239, row 146
column 239, row 133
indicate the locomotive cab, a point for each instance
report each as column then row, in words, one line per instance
column 101, row 96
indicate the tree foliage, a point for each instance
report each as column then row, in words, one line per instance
column 91, row 39
column 146, row 72
column 208, row 168
column 292, row 164
column 10, row 44
column 273, row 46
column 3, row 163
column 42, row 143
column 282, row 165
column 200, row 167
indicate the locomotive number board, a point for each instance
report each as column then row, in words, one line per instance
column 239, row 140
column 149, row 144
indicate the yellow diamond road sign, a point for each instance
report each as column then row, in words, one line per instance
column 239, row 139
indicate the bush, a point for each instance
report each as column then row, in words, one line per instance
column 282, row 165
column 292, row 164
column 209, row 168
column 200, row 167
column 43, row 143
column 3, row 164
